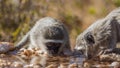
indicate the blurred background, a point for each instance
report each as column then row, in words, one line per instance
column 18, row 16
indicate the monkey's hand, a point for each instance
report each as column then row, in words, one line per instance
column 13, row 52
column 6, row 47
column 105, row 51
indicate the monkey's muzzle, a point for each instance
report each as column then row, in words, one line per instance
column 53, row 48
column 81, row 50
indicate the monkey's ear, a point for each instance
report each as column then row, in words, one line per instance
column 89, row 38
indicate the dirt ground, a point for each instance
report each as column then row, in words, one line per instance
column 34, row 59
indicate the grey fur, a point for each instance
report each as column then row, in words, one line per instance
column 46, row 30
column 105, row 35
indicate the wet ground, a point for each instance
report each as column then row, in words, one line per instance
column 35, row 59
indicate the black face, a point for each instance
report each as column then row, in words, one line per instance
column 53, row 48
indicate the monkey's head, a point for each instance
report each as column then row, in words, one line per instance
column 54, row 40
column 85, row 44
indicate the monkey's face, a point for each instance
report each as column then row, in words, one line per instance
column 54, row 37
column 85, row 44
column 53, row 48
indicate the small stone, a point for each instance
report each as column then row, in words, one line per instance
column 17, row 64
column 115, row 64
column 36, row 49
column 2, row 55
column 37, row 66
column 22, row 49
column 74, row 65
column 24, row 56
column 9, row 63
column 27, row 52
column 87, row 65
column 28, row 66
column 52, row 66
column 63, row 65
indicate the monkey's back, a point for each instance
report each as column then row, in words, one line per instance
column 48, row 28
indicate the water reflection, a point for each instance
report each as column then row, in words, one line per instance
column 35, row 59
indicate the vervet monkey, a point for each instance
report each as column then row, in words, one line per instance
column 48, row 34
column 101, row 36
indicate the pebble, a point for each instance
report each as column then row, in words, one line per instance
column 87, row 65
column 17, row 64
column 74, row 65
column 63, row 65
column 52, row 66
column 115, row 64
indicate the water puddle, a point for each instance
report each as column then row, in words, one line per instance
column 35, row 59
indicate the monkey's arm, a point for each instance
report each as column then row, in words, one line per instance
column 23, row 41
column 20, row 44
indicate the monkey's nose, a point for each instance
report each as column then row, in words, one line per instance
column 78, row 53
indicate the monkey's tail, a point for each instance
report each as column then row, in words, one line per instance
column 23, row 42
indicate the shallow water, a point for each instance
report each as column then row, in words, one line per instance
column 52, row 62
column 66, row 61
column 13, row 61
column 34, row 59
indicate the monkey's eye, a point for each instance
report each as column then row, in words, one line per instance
column 52, row 46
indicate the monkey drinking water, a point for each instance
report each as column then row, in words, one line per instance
column 48, row 34
column 101, row 37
